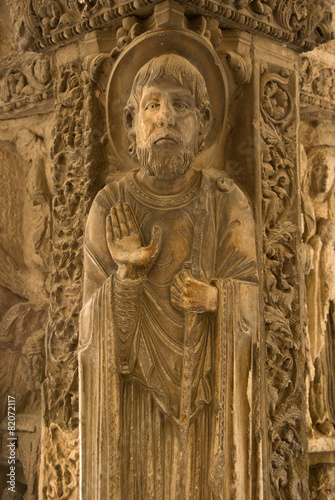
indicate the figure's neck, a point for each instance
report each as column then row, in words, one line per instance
column 318, row 197
column 165, row 187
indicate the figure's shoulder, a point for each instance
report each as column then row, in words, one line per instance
column 111, row 194
column 227, row 192
column 222, row 183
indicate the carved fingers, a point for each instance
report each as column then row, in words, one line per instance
column 120, row 222
column 190, row 294
column 125, row 243
column 180, row 291
column 156, row 240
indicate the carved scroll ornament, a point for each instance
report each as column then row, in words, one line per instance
column 284, row 369
column 73, row 126
column 299, row 23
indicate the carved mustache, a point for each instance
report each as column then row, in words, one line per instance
column 169, row 135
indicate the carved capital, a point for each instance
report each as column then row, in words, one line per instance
column 301, row 24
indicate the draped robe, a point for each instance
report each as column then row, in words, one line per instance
column 132, row 349
column 320, row 284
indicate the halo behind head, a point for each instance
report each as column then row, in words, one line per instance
column 188, row 59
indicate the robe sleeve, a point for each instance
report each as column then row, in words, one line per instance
column 236, row 247
column 236, row 338
column 107, row 329
column 100, row 268
column 98, row 263
column 236, row 335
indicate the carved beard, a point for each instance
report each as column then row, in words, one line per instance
column 166, row 160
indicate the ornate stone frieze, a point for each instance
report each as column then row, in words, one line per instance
column 25, row 85
column 317, row 83
column 301, row 24
column 166, row 13
column 284, row 364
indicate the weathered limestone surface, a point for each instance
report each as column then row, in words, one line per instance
column 247, row 412
column 317, row 177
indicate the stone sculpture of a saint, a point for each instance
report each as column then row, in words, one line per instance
column 170, row 309
column 319, row 238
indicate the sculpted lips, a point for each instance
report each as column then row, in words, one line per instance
column 165, row 137
column 165, row 140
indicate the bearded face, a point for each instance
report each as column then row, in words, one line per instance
column 167, row 129
column 165, row 155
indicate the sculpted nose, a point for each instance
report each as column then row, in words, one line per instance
column 166, row 118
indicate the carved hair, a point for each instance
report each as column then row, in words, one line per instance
column 183, row 72
column 314, row 156
column 177, row 67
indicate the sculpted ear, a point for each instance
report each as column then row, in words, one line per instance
column 205, row 120
column 129, row 121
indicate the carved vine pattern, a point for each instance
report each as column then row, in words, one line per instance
column 77, row 137
column 317, row 83
column 301, row 23
column 133, row 26
column 284, row 365
column 24, row 82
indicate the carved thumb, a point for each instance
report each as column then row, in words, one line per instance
column 156, row 241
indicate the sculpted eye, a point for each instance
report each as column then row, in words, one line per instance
column 180, row 106
column 151, row 106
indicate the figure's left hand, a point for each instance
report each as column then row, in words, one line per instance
column 192, row 295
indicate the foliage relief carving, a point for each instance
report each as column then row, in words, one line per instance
column 317, row 83
column 282, row 329
column 301, row 23
column 24, row 84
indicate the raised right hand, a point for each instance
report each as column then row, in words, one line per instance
column 125, row 243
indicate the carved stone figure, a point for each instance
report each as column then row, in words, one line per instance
column 170, row 282
column 319, row 235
